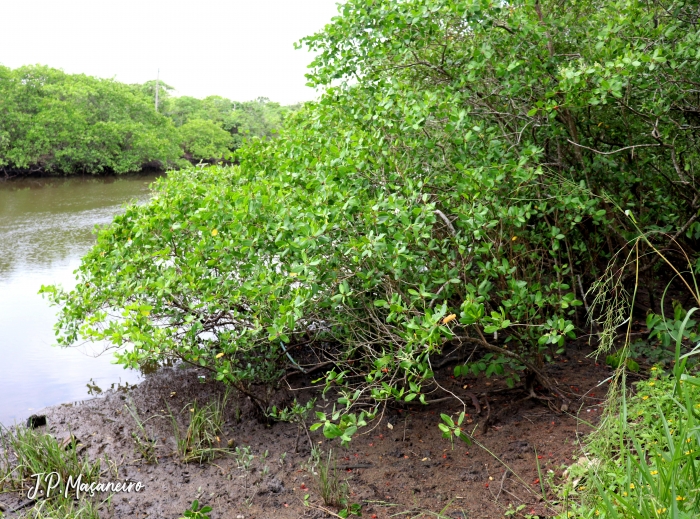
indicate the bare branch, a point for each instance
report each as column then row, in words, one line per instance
column 446, row 220
column 614, row 151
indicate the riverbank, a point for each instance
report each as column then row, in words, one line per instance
column 401, row 465
column 8, row 176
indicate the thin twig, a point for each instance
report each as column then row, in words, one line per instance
column 505, row 473
column 614, row 151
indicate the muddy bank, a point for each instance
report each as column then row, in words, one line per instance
column 401, row 465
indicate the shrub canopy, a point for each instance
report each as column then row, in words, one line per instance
column 469, row 167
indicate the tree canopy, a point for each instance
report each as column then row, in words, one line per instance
column 53, row 122
column 470, row 168
column 258, row 118
column 56, row 122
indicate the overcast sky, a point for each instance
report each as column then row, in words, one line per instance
column 240, row 49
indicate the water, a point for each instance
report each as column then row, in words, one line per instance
column 46, row 225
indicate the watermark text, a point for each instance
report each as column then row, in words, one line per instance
column 52, row 483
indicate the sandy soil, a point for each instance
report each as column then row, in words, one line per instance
column 406, row 470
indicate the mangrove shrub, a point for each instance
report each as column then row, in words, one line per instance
column 470, row 168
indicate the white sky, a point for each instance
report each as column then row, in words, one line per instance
column 234, row 48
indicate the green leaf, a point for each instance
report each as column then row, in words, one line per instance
column 447, row 419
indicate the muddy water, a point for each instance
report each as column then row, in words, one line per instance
column 46, row 225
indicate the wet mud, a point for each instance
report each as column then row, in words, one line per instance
column 401, row 464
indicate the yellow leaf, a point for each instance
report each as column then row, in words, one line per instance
column 219, row 355
column 449, row 318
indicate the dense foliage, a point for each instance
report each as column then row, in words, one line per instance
column 469, row 169
column 203, row 138
column 53, row 122
column 258, row 118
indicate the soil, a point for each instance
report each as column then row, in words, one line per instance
column 399, row 467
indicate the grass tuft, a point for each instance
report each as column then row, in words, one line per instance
column 145, row 444
column 28, row 451
column 62, row 508
column 334, row 492
column 202, row 440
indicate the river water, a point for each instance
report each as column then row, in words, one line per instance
column 46, row 225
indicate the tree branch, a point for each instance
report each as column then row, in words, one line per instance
column 614, row 151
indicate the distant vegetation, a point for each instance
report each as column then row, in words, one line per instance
column 57, row 123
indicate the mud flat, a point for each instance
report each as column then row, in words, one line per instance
column 400, row 465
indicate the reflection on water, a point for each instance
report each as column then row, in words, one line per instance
column 95, row 390
column 45, row 227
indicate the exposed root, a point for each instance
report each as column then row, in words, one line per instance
column 475, row 402
column 485, row 427
column 541, row 378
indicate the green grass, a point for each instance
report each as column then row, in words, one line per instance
column 334, row 492
column 24, row 452
column 643, row 461
column 144, row 443
column 62, row 508
column 27, row 451
column 201, row 441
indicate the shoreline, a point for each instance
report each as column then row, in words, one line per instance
column 28, row 175
column 408, row 465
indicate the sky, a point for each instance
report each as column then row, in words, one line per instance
column 239, row 49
